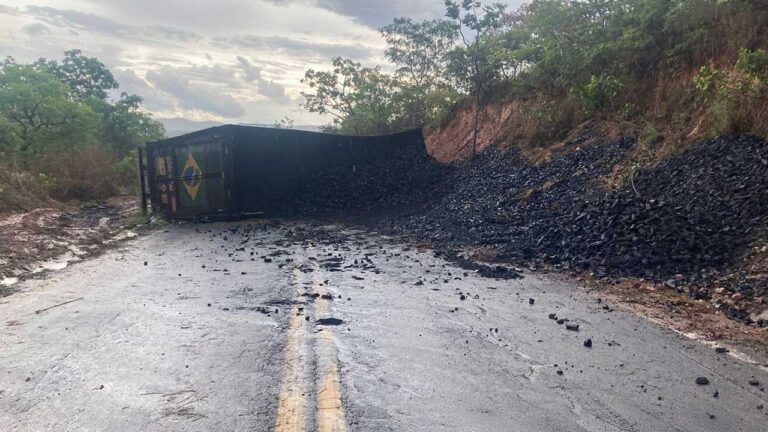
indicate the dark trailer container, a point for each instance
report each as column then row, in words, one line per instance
column 231, row 171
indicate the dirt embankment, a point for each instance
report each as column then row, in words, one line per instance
column 453, row 141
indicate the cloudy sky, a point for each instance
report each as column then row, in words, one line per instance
column 224, row 60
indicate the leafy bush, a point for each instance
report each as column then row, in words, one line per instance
column 733, row 99
column 600, row 93
column 45, row 182
column 753, row 63
column 709, row 83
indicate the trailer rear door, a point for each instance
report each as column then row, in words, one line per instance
column 191, row 179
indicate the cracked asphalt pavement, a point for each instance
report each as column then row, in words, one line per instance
column 298, row 326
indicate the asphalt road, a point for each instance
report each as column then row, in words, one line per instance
column 298, row 327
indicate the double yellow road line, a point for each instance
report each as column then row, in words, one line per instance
column 297, row 382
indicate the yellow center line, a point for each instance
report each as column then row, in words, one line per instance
column 330, row 411
column 290, row 406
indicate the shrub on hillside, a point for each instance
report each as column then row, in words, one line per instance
column 83, row 174
column 600, row 93
column 734, row 99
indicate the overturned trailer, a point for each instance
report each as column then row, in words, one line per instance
column 233, row 170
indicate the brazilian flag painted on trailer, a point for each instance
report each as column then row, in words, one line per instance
column 193, row 165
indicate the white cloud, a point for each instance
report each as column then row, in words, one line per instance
column 184, row 56
column 268, row 89
column 250, row 73
column 36, row 30
column 194, row 96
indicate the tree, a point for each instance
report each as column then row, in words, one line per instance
column 359, row 98
column 87, row 77
column 511, row 50
column 482, row 21
column 44, row 116
column 419, row 50
column 125, row 125
column 9, row 138
column 58, row 119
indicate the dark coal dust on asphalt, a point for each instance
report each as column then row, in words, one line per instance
column 298, row 326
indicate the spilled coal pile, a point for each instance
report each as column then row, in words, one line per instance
column 374, row 183
column 682, row 222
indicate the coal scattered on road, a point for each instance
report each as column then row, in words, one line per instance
column 572, row 327
column 484, row 270
column 683, row 222
column 330, row 321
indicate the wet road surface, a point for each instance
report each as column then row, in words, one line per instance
column 301, row 327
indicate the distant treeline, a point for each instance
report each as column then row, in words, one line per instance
column 669, row 66
column 60, row 130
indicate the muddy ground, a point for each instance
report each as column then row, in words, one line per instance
column 49, row 238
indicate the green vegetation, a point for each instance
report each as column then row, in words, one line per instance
column 684, row 68
column 600, row 93
column 361, row 99
column 59, row 124
column 734, row 99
